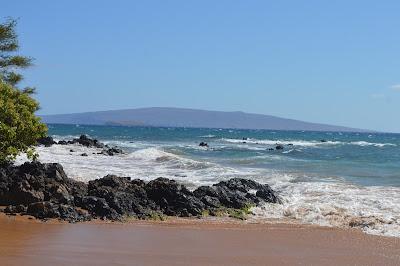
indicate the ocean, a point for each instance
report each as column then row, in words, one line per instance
column 326, row 178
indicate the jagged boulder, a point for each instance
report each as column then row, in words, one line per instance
column 235, row 193
column 174, row 199
column 124, row 196
column 31, row 183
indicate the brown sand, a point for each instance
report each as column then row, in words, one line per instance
column 183, row 242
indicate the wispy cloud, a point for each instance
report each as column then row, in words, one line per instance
column 395, row 87
column 378, row 96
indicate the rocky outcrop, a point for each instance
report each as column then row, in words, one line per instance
column 44, row 191
column 32, row 183
column 84, row 141
column 87, row 142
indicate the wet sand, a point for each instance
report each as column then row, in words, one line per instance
column 188, row 242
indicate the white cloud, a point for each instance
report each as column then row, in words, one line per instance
column 395, row 87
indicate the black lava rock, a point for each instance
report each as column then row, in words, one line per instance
column 21, row 186
column 46, row 141
column 44, row 191
column 203, row 144
column 174, row 199
column 87, row 142
column 112, row 151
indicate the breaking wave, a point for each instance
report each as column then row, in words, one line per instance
column 306, row 143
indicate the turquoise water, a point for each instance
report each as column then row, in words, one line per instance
column 367, row 159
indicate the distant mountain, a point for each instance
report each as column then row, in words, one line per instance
column 179, row 117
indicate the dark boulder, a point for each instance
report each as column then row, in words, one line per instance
column 46, row 141
column 279, row 147
column 203, row 144
column 235, row 193
column 62, row 142
column 36, row 182
column 87, row 142
column 174, row 199
column 99, row 208
column 84, row 154
column 124, row 196
column 112, row 151
column 46, row 209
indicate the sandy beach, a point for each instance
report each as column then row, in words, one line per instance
column 184, row 242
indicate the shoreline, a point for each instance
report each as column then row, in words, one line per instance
column 183, row 241
column 374, row 209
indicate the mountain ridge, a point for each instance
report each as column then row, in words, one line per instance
column 186, row 117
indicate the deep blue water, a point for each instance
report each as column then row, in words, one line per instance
column 367, row 159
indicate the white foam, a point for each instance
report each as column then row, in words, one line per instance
column 365, row 143
column 375, row 210
column 305, row 143
column 207, row 136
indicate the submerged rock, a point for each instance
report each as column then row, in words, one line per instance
column 279, row 147
column 112, row 151
column 203, row 144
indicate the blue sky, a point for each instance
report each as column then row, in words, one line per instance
column 334, row 62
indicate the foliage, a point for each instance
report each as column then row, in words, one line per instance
column 9, row 62
column 19, row 127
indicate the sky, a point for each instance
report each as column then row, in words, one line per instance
column 334, row 62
